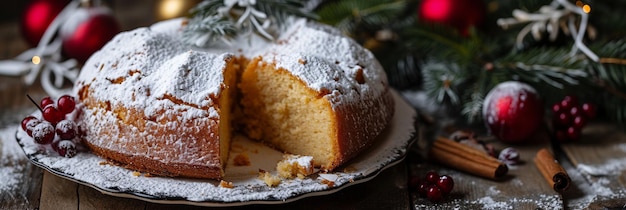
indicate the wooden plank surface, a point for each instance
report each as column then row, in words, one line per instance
column 599, row 159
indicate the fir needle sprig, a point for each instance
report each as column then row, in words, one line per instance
column 214, row 20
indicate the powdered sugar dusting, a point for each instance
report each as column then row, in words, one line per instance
column 12, row 160
column 326, row 60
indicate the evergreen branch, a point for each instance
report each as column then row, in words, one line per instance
column 422, row 34
column 554, row 66
column 217, row 19
column 202, row 30
column 441, row 81
column 348, row 15
column 280, row 10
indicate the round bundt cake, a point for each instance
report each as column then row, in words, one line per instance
column 157, row 105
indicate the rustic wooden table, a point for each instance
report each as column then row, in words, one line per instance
column 597, row 164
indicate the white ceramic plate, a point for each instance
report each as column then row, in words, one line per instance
column 91, row 170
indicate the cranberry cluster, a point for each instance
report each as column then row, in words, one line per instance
column 570, row 117
column 435, row 187
column 54, row 124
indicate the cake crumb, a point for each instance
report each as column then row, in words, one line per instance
column 241, row 159
column 328, row 182
column 301, row 61
column 226, row 184
column 147, row 175
column 136, row 173
column 269, row 179
column 292, row 166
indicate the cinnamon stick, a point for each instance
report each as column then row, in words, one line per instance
column 468, row 159
column 552, row 171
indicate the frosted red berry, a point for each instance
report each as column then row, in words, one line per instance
column 66, row 129
column 45, row 102
column 43, row 133
column 65, row 148
column 66, row 104
column 30, row 126
column 26, row 120
column 445, row 183
column 434, row 194
column 52, row 114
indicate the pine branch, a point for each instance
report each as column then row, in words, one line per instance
column 214, row 19
column 348, row 15
column 553, row 66
column 442, row 80
column 281, row 10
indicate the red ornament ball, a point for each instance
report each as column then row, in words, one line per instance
column 37, row 16
column 87, row 30
column 513, row 111
column 460, row 14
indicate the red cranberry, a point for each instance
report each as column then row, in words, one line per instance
column 30, row 126
column 556, row 108
column 65, row 148
column 434, row 194
column 66, row 104
column 561, row 135
column 573, row 133
column 574, row 111
column 573, row 100
column 589, row 110
column 432, row 177
column 562, row 120
column 423, row 189
column 45, row 102
column 445, row 184
column 26, row 120
column 52, row 115
column 66, row 129
column 579, row 122
column 43, row 133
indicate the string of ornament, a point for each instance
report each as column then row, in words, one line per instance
column 70, row 35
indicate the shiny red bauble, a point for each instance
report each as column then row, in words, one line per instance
column 513, row 111
column 37, row 16
column 87, row 30
column 459, row 14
